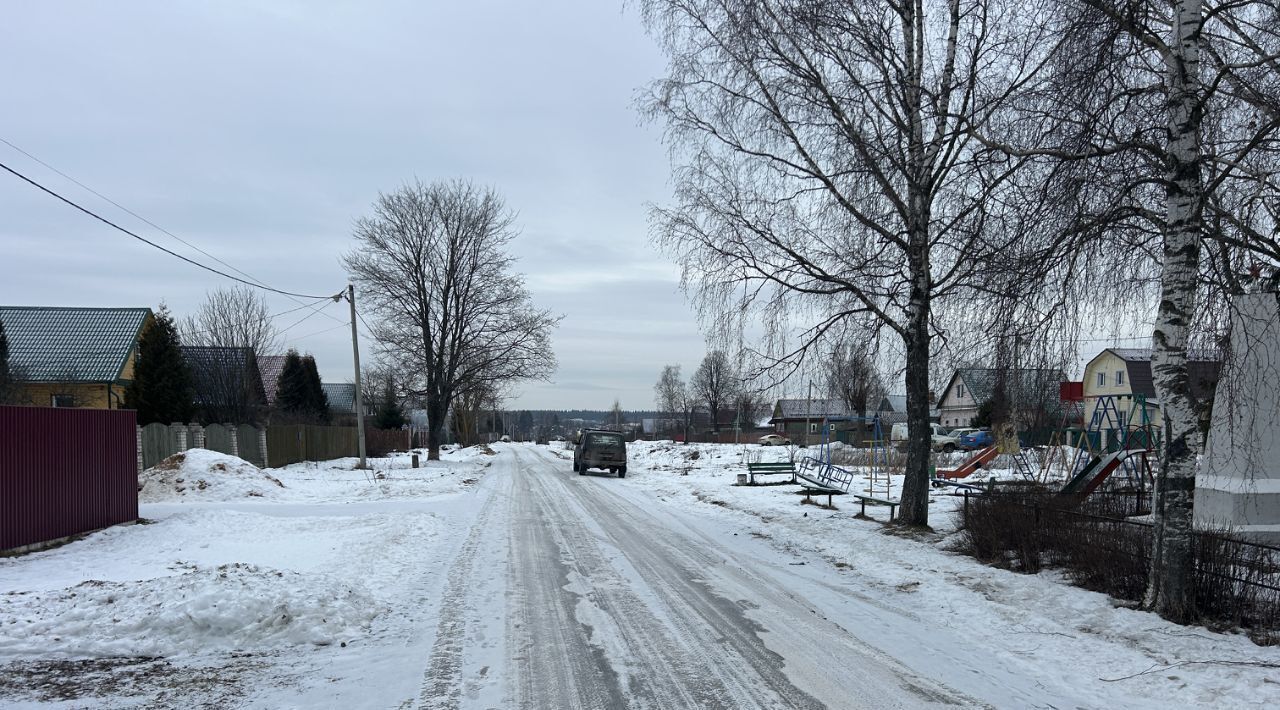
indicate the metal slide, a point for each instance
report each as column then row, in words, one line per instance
column 1084, row 483
column 970, row 467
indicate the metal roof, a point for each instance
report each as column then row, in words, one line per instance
column 271, row 366
column 342, row 396
column 50, row 344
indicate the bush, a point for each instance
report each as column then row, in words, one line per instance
column 1030, row 528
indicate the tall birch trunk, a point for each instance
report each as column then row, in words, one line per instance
column 915, row 486
column 1170, row 589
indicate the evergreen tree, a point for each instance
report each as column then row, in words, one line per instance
column 389, row 414
column 291, row 388
column 7, row 378
column 162, row 389
column 317, row 400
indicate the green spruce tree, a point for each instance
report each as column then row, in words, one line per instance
column 291, row 389
column 389, row 414
column 162, row 389
column 8, row 383
column 317, row 400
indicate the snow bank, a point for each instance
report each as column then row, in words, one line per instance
column 226, row 608
column 200, row 474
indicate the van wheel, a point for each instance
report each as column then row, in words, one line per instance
column 622, row 472
column 948, row 448
column 582, row 470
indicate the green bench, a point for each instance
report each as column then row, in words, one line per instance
column 757, row 467
column 893, row 504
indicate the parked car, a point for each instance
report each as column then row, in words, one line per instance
column 979, row 439
column 940, row 438
column 960, row 433
column 774, row 440
column 601, row 449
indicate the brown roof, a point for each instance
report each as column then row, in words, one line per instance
column 270, row 366
column 1203, row 369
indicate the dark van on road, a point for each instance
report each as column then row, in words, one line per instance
column 601, row 449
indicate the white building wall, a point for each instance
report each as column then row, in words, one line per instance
column 1238, row 485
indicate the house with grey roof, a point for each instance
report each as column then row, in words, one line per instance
column 73, row 357
column 801, row 420
column 1032, row 394
column 342, row 402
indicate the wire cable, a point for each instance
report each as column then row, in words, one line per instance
column 144, row 240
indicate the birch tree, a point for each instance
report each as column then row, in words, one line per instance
column 1164, row 118
column 433, row 266
column 824, row 177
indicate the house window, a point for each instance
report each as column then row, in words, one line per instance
column 960, row 390
column 813, row 428
column 1102, row 379
column 1119, row 377
column 62, row 400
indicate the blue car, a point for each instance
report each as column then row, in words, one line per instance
column 977, row 440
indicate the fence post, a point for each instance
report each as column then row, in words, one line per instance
column 197, row 432
column 180, row 435
column 139, row 435
column 966, row 503
column 262, row 444
column 235, row 439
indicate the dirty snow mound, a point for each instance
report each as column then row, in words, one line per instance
column 227, row 608
column 200, row 474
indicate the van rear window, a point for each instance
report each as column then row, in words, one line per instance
column 604, row 439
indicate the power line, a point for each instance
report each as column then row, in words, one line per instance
column 253, row 320
column 131, row 212
column 316, row 309
column 144, row 240
column 326, row 330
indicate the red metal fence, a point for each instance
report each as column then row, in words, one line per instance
column 65, row 471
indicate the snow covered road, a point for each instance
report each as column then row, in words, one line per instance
column 615, row 602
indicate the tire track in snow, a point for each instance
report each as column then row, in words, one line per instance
column 683, row 649
column 442, row 682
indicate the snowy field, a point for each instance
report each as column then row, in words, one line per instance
column 326, row 586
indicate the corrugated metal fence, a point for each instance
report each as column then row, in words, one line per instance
column 65, row 471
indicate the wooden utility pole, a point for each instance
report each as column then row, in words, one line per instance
column 355, row 351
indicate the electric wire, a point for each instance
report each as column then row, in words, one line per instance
column 144, row 240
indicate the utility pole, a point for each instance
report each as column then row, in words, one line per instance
column 808, row 414
column 355, row 351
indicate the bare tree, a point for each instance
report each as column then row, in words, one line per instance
column 672, row 397
column 235, row 317
column 716, row 383
column 852, row 377
column 433, row 265
column 824, row 177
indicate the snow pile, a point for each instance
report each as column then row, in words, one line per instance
column 227, row 608
column 200, row 474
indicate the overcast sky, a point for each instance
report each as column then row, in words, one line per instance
column 260, row 130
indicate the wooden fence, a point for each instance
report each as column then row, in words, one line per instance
column 292, row 443
column 64, row 472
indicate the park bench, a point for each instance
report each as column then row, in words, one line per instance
column 757, row 467
column 893, row 504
